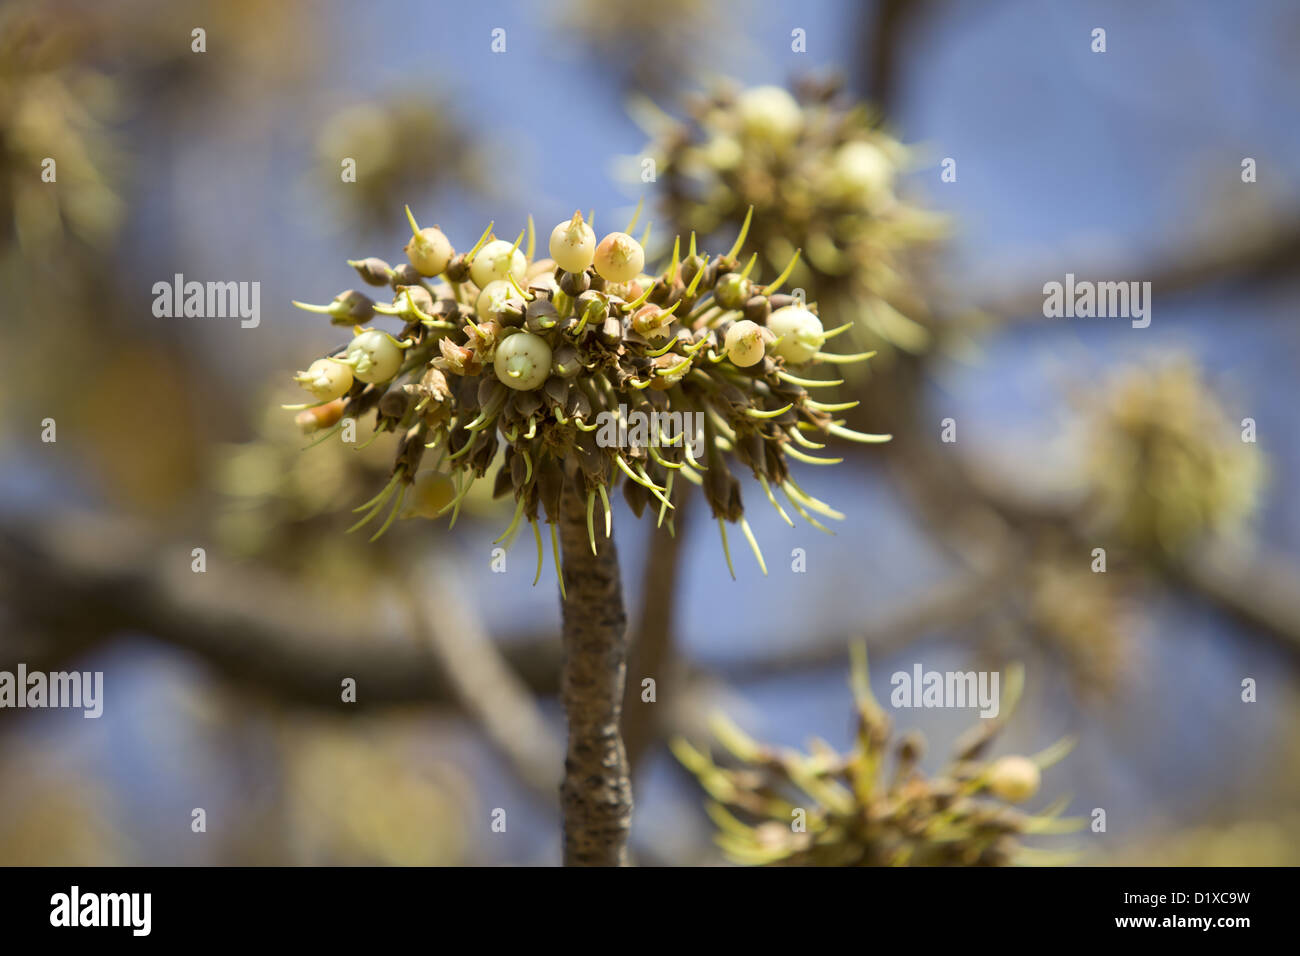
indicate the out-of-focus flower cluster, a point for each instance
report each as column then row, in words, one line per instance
column 52, row 107
column 582, row 370
column 399, row 145
column 1165, row 462
column 1082, row 616
column 651, row 45
column 280, row 505
column 821, row 176
column 780, row 807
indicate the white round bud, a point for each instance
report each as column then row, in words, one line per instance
column 770, row 114
column 744, row 344
column 573, row 244
column 497, row 260
column 800, row 332
column 429, row 251
column 619, row 258
column 374, row 356
column 1014, row 779
column 494, row 295
column 326, row 379
column 723, row 152
column 523, row 361
column 861, row 170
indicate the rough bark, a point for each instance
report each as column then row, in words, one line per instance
column 597, row 793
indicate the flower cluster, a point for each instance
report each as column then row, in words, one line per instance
column 1165, row 463
column 648, row 46
column 53, row 107
column 503, row 358
column 403, row 142
column 785, row 808
column 820, row 175
column 1086, row 618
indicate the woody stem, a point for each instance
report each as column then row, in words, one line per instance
column 596, row 794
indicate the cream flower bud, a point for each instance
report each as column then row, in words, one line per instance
column 326, row 379
column 497, row 260
column 1014, row 779
column 523, row 361
column 429, row 251
column 374, row 356
column 732, row 290
column 619, row 258
column 573, row 244
column 862, row 171
column 770, row 114
column 494, row 295
column 319, row 416
column 800, row 331
column 723, row 152
column 745, row 344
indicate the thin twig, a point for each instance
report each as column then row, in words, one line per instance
column 482, row 680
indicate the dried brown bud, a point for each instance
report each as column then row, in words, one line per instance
column 373, row 270
column 574, row 283
column 404, row 274
column 458, row 268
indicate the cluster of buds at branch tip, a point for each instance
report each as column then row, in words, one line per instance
column 816, row 172
column 779, row 807
column 537, row 367
column 1166, row 465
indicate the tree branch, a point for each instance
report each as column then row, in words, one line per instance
column 1258, row 589
column 81, row 580
column 1267, row 248
column 597, row 791
column 67, row 592
column 652, row 645
column 485, row 684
